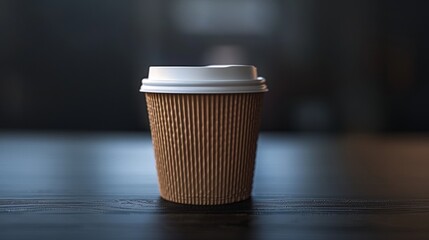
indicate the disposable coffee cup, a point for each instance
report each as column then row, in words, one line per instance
column 204, row 124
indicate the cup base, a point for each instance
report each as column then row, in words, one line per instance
column 207, row 201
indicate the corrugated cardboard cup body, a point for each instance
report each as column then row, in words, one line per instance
column 205, row 145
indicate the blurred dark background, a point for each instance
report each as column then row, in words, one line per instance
column 331, row 66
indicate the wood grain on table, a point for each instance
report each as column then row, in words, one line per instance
column 90, row 186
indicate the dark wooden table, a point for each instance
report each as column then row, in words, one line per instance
column 104, row 186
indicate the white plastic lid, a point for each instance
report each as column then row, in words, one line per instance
column 203, row 79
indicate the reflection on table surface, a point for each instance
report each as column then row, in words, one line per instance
column 305, row 166
column 104, row 185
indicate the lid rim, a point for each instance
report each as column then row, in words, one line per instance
column 204, row 92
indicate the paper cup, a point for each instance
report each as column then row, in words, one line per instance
column 205, row 143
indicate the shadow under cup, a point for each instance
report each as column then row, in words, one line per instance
column 205, row 145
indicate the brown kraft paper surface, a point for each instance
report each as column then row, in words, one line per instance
column 205, row 145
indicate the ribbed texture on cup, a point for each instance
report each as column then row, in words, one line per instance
column 205, row 145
